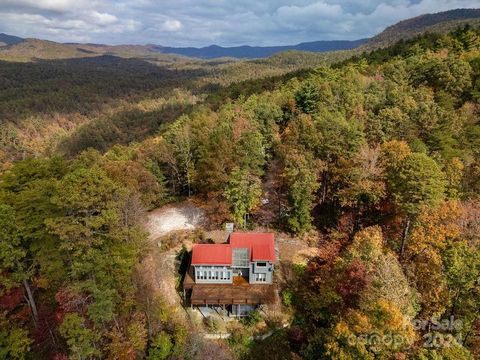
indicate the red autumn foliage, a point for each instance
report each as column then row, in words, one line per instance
column 352, row 283
column 320, row 265
column 329, row 249
column 23, row 314
column 12, row 299
column 60, row 357
column 346, row 223
column 67, row 302
column 13, row 302
column 296, row 335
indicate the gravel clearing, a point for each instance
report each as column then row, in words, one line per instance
column 180, row 216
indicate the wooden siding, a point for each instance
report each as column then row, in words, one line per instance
column 240, row 292
column 227, row 294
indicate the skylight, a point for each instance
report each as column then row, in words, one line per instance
column 240, row 257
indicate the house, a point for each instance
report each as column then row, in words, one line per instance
column 237, row 275
column 247, row 255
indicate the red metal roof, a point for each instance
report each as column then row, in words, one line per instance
column 261, row 247
column 212, row 254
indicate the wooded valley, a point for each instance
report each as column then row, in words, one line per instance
column 375, row 158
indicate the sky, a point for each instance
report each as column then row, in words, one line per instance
column 206, row 22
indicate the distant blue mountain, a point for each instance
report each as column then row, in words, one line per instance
column 10, row 39
column 215, row 51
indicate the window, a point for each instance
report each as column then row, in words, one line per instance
column 212, row 273
column 261, row 264
column 261, row 277
column 225, row 275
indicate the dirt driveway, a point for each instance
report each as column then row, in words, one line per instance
column 174, row 217
column 159, row 267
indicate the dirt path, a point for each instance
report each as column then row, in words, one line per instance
column 159, row 267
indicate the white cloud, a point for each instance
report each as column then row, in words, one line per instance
column 102, row 18
column 172, row 25
column 317, row 9
column 202, row 22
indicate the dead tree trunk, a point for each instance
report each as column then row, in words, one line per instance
column 323, row 185
column 404, row 237
column 31, row 301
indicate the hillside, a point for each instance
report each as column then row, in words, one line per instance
column 9, row 40
column 439, row 23
column 215, row 51
column 31, row 49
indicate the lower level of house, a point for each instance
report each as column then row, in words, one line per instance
column 238, row 310
column 237, row 298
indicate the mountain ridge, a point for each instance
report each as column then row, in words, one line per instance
column 440, row 23
column 6, row 39
column 26, row 48
column 247, row 51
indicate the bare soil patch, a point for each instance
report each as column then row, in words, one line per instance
column 180, row 216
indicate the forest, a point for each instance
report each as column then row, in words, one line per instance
column 377, row 162
column 57, row 104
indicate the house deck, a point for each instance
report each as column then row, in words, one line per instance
column 240, row 292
